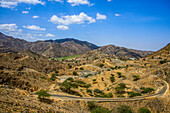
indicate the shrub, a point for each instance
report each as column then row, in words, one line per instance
column 119, row 74
column 122, row 85
column 112, row 68
column 144, row 110
column 120, row 88
column 75, row 73
column 112, row 78
column 120, row 95
column 102, row 79
column 163, row 61
column 124, row 109
column 132, row 94
column 96, row 58
column 81, row 68
column 56, row 71
column 80, row 82
column 91, row 105
column 86, row 76
column 136, row 77
column 109, row 95
column 43, row 77
column 112, row 75
column 70, row 79
column 53, row 78
column 124, row 77
column 108, row 69
column 54, row 74
column 89, row 91
column 42, row 94
column 94, row 79
column 101, row 65
column 119, row 67
column 66, row 86
column 97, row 91
column 146, row 90
column 100, row 110
column 87, row 85
column 69, row 66
column 74, row 85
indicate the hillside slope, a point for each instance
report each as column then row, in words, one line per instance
column 121, row 51
column 49, row 48
column 64, row 47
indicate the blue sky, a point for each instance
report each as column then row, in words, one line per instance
column 137, row 24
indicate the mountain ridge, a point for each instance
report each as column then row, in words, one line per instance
column 64, row 47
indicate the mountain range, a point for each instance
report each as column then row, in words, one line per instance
column 64, row 47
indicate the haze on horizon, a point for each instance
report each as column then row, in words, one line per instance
column 142, row 24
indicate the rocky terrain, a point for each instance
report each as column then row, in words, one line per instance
column 63, row 47
column 107, row 72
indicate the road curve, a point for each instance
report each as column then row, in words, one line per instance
column 161, row 92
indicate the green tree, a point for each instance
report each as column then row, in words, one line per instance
column 70, row 79
column 124, row 109
column 42, row 94
column 120, row 88
column 100, row 110
column 101, row 65
column 144, row 110
column 53, row 78
column 146, row 90
column 119, row 74
column 136, row 77
column 91, row 104
column 112, row 78
column 122, row 85
column 81, row 68
column 75, row 73
column 132, row 94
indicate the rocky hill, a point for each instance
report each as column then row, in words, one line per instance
column 162, row 53
column 49, row 48
column 64, row 47
column 121, row 51
column 162, row 59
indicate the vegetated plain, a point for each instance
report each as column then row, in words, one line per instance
column 67, row 57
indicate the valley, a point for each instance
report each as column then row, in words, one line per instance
column 121, row 78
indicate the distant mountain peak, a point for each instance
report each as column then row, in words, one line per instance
column 64, row 47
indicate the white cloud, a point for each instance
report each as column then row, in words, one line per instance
column 35, row 16
column 78, row 2
column 72, row 19
column 12, row 30
column 117, row 15
column 27, row 36
column 14, row 3
column 109, row 0
column 34, row 27
column 61, row 1
column 101, row 17
column 40, row 35
column 62, row 27
column 49, row 35
column 28, row 8
column 25, row 12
